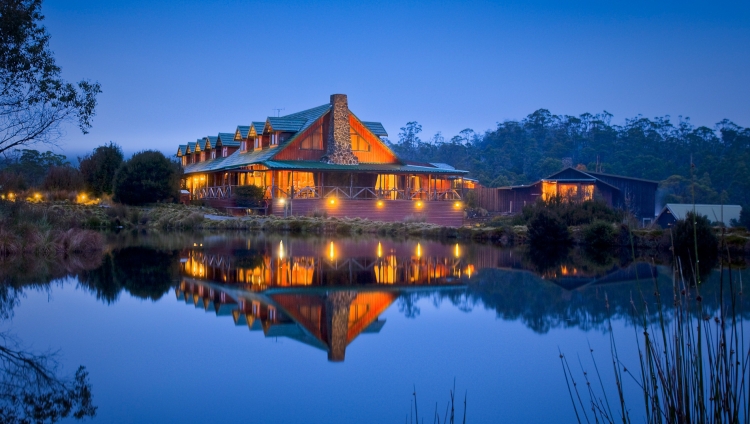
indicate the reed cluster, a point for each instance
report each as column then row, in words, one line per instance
column 693, row 360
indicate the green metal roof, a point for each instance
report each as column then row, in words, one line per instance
column 191, row 147
column 362, row 167
column 181, row 150
column 206, row 144
column 286, row 124
column 243, row 129
column 258, row 126
column 376, row 128
column 227, row 140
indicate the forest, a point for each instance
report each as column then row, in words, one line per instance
column 520, row 152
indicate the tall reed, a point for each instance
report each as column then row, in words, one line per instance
column 693, row 362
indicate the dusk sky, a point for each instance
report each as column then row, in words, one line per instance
column 173, row 71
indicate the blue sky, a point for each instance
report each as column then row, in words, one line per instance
column 173, row 71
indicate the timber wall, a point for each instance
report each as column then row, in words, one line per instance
column 441, row 213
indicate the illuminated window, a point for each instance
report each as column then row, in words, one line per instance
column 359, row 144
column 314, row 141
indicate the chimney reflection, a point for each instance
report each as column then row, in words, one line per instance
column 325, row 298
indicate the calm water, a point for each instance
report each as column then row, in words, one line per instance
column 213, row 328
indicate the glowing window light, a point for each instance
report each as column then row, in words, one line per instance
column 419, row 250
column 380, row 250
column 281, row 250
column 457, row 251
column 331, row 251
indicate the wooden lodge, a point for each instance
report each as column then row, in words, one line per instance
column 321, row 160
column 635, row 195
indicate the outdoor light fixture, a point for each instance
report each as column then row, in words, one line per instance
column 282, row 201
column 380, row 203
column 281, row 250
column 458, row 251
column 457, row 205
column 419, row 204
column 419, row 250
column 333, row 201
column 331, row 252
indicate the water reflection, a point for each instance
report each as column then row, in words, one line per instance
column 322, row 293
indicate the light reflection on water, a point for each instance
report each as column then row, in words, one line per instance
column 394, row 312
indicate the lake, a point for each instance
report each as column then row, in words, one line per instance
column 252, row 328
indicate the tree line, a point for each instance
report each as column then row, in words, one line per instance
column 715, row 162
column 147, row 177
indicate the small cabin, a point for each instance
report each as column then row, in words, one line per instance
column 673, row 212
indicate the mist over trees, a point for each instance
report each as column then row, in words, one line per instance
column 520, row 152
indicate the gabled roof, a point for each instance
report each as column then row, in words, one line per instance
column 191, row 147
column 242, row 131
column 182, row 150
column 714, row 213
column 603, row 175
column 297, row 123
column 257, row 127
column 362, row 167
column 212, row 140
column 285, row 124
column 376, row 128
column 206, row 144
column 227, row 140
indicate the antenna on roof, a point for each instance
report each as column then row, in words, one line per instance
column 278, row 110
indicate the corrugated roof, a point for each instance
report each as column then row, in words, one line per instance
column 442, row 165
column 258, row 126
column 307, row 114
column 205, row 166
column 376, row 128
column 227, row 140
column 712, row 212
column 243, row 130
column 286, row 124
column 213, row 140
column 362, row 167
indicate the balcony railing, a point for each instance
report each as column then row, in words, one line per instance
column 324, row 192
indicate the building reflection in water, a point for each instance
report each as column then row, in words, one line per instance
column 325, row 293
column 322, row 294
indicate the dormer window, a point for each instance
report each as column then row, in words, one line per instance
column 224, row 151
column 257, row 142
column 274, row 139
column 243, row 146
column 213, row 154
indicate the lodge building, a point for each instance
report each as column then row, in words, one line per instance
column 322, row 159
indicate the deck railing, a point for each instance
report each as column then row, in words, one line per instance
column 324, row 192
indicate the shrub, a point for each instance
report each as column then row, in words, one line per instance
column 319, row 213
column 147, row 177
column 63, row 178
column 546, row 228
column 573, row 213
column 98, row 168
column 416, row 218
column 685, row 236
column 248, row 196
column 600, row 234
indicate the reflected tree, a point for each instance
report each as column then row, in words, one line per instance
column 31, row 391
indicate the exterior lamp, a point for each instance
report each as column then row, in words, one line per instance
column 380, row 203
column 281, row 250
column 331, row 252
column 419, row 204
column 332, row 201
column 457, row 205
column 282, row 201
column 380, row 250
column 458, row 251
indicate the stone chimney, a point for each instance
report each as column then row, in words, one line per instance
column 338, row 139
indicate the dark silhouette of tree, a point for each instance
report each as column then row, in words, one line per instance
column 147, row 177
column 99, row 167
column 31, row 391
column 34, row 99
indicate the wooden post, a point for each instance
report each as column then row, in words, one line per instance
column 351, row 183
